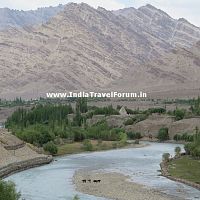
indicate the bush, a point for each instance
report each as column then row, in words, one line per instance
column 51, row 148
column 122, row 139
column 76, row 197
column 8, row 192
column 179, row 114
column 184, row 137
column 163, row 134
column 194, row 147
column 87, row 145
column 157, row 110
column 177, row 137
column 166, row 157
column 109, row 110
column 134, row 135
column 177, row 151
column 189, row 148
column 129, row 122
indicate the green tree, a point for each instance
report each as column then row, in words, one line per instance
column 163, row 134
column 8, row 191
column 193, row 148
column 51, row 148
column 179, row 114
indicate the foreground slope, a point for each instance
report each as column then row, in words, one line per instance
column 16, row 155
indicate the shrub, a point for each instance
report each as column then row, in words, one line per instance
column 189, row 148
column 179, row 114
column 157, row 110
column 177, row 137
column 194, row 147
column 166, row 157
column 134, row 135
column 185, row 137
column 129, row 122
column 109, row 110
column 163, row 134
column 87, row 145
column 76, row 197
column 51, row 148
column 122, row 136
column 177, row 151
column 8, row 191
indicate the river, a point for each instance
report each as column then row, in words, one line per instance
column 54, row 181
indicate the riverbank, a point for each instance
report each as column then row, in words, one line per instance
column 77, row 147
column 115, row 186
column 183, row 170
column 24, row 165
column 16, row 155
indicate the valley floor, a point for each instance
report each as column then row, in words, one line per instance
column 77, row 147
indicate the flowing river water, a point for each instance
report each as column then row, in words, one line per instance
column 54, row 181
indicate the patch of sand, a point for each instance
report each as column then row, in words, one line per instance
column 115, row 186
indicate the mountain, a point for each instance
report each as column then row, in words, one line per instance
column 82, row 48
column 159, row 24
column 16, row 18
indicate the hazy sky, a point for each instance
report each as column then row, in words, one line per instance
column 189, row 9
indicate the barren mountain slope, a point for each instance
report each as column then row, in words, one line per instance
column 158, row 23
column 81, row 48
column 175, row 74
column 84, row 48
column 16, row 18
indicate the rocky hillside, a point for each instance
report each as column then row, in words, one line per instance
column 159, row 24
column 85, row 48
column 16, row 18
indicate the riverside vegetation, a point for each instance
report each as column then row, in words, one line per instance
column 60, row 129
column 49, row 126
column 8, row 192
column 187, row 166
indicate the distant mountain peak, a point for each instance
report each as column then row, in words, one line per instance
column 150, row 6
column 86, row 48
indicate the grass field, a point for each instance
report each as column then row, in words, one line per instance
column 185, row 168
column 77, row 147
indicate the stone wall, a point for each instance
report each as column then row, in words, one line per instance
column 15, row 147
column 24, row 165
